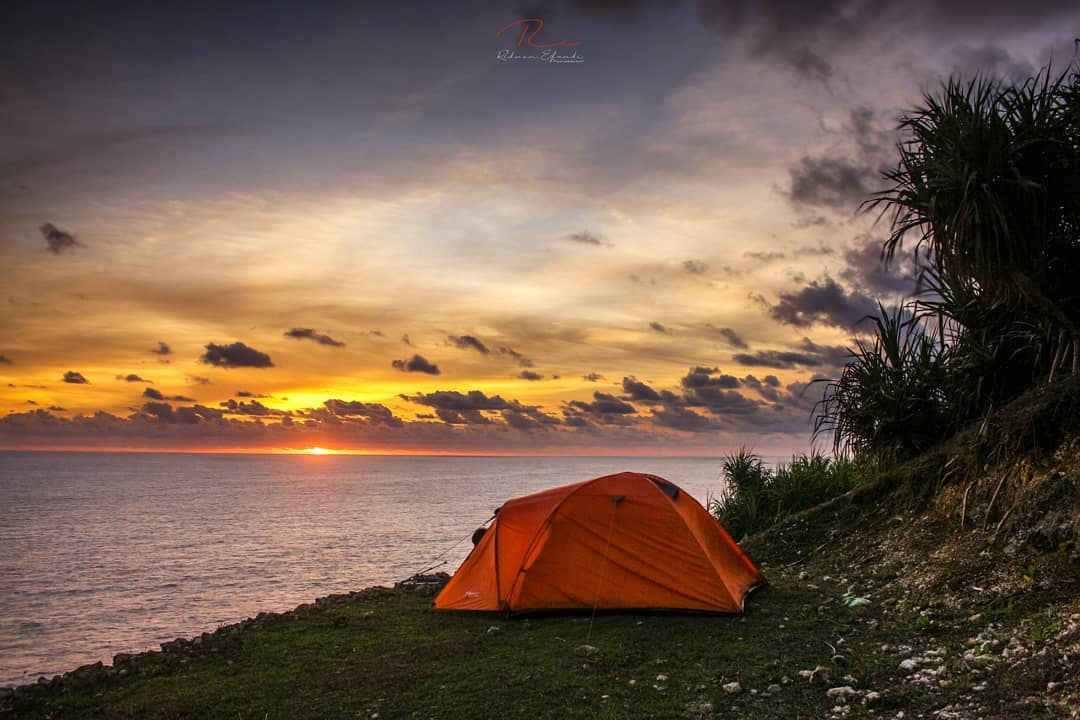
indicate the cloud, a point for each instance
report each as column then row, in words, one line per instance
column 659, row 328
column 806, row 354
column 373, row 412
column 695, row 267
column 683, row 419
column 5, row 360
column 251, row 407
column 530, row 375
column 155, row 394
column 834, row 182
column 867, row 269
column 729, row 336
column 309, row 334
column 586, row 238
column 825, row 302
column 765, row 257
column 57, row 239
column 592, row 377
column 700, row 377
column 162, row 349
column 809, row 65
column 454, row 400
column 249, row 394
column 235, row 355
column 417, row 363
column 199, row 380
column 603, row 405
column 132, row 377
column 468, row 342
column 521, row 359
column 638, row 391
column 75, row 378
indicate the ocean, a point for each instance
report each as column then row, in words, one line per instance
column 103, row 553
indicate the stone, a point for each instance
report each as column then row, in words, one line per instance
column 841, row 694
column 909, row 665
column 872, row 696
column 732, row 688
column 773, row 689
column 586, row 650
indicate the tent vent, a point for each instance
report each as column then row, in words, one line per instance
column 668, row 489
column 617, row 498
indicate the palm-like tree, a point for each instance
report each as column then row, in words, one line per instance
column 988, row 181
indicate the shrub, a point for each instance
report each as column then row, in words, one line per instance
column 756, row 496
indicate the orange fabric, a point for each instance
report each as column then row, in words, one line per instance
column 616, row 542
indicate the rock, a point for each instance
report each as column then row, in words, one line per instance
column 1052, row 686
column 732, row 688
column 661, row 678
column 872, row 696
column 121, row 658
column 909, row 665
column 841, row 694
column 493, row 629
column 586, row 650
column 773, row 689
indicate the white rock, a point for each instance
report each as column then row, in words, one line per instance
column 774, row 688
column 732, row 687
column 841, row 694
column 909, row 665
column 872, row 696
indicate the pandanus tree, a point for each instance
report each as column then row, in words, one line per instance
column 988, row 183
column 987, row 192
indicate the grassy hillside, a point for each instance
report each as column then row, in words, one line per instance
column 948, row 588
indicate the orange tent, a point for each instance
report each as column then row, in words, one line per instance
column 625, row 541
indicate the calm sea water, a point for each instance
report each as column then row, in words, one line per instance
column 103, row 553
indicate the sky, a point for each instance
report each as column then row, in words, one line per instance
column 565, row 227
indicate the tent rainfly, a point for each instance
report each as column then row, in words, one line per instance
column 624, row 541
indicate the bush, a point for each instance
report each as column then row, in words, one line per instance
column 756, row 497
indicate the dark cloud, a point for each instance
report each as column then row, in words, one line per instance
column 659, row 328
column 133, row 378
column 376, row 333
column 57, row 408
column 75, row 378
column 586, row 238
column 162, row 349
column 250, row 407
column 603, row 405
column 160, row 410
column 683, row 419
column 155, row 394
column 518, row 357
column 405, row 339
column 592, row 377
column 833, row 182
column 765, row 257
column 199, row 380
column 825, row 302
column 372, row 412
column 771, row 380
column 454, row 400
column 990, row 60
column 417, row 363
column 806, row 354
column 816, row 250
column 700, row 377
column 695, row 267
column 638, row 391
column 31, row 402
column 235, row 355
column 809, row 65
column 309, row 334
column 57, row 239
column 249, row 394
column 468, row 342
column 530, row 375
column 729, row 336
column 868, row 270
column 5, row 360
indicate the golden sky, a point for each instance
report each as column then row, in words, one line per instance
column 384, row 241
